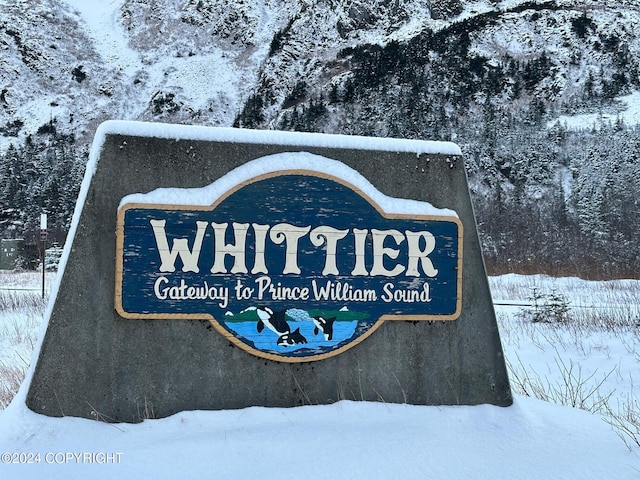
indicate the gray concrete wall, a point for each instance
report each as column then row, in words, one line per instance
column 92, row 359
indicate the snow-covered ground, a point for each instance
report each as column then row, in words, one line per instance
column 590, row 359
column 628, row 113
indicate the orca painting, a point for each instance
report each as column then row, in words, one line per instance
column 325, row 325
column 277, row 323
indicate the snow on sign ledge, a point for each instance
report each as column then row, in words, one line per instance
column 287, row 261
column 282, row 162
column 270, row 137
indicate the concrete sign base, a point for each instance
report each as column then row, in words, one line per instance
column 221, row 268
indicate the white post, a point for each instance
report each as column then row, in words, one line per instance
column 43, row 237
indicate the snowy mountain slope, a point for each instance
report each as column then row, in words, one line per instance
column 579, row 43
column 82, row 61
column 85, row 61
column 49, row 68
column 199, row 59
column 558, row 53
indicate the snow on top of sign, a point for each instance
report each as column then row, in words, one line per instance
column 270, row 137
column 282, row 162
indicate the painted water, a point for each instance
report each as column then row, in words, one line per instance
column 299, row 321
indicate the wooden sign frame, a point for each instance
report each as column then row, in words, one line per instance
column 292, row 344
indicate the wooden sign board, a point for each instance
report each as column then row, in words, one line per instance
column 294, row 265
column 211, row 268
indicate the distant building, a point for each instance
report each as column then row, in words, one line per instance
column 10, row 251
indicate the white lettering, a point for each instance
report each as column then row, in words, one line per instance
column 259, row 265
column 160, row 295
column 280, row 292
column 360, row 237
column 386, row 259
column 290, row 234
column 223, row 249
column 183, row 291
column 342, row 292
column 380, row 251
column 391, row 294
column 180, row 248
column 329, row 236
column 416, row 254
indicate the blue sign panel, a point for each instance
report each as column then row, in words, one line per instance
column 291, row 265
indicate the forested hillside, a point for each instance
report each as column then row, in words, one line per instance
column 41, row 175
column 548, row 199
